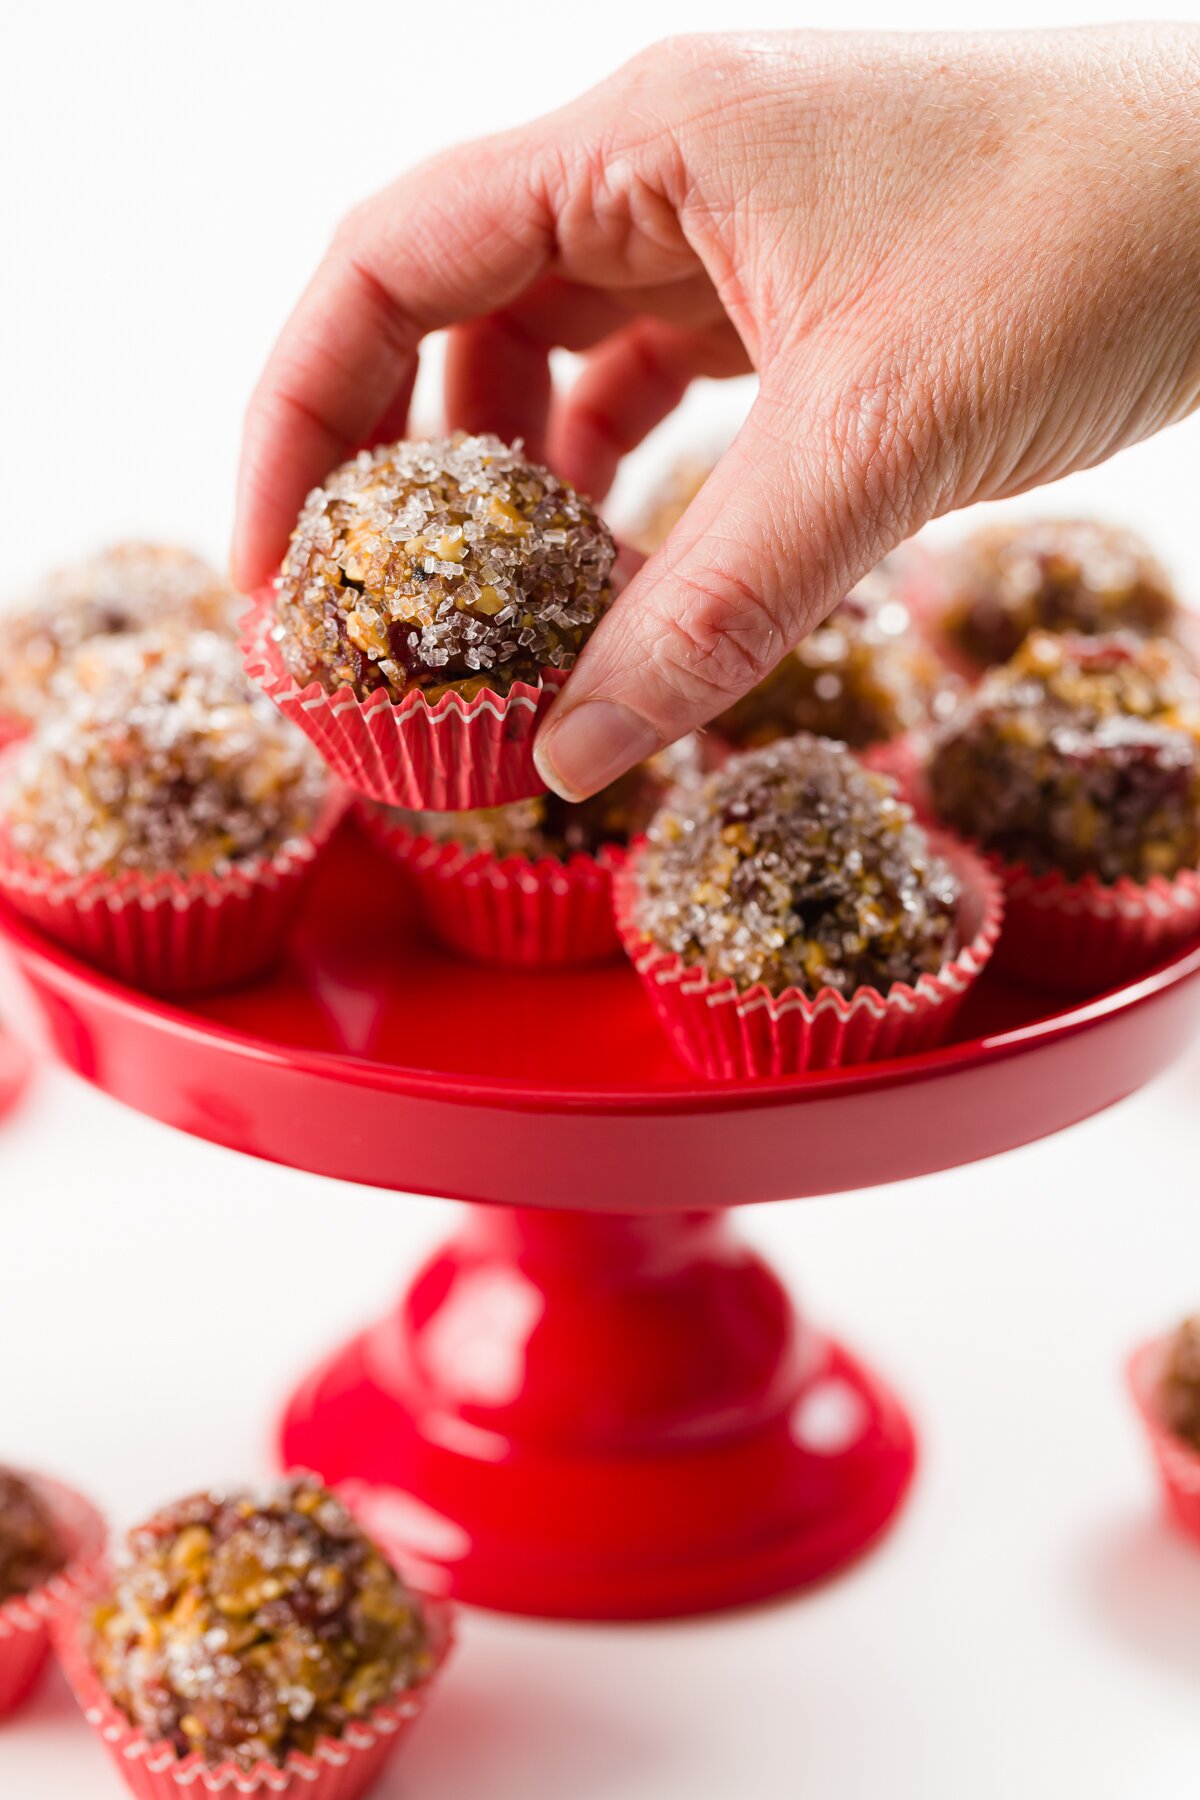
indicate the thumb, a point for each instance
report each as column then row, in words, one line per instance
column 798, row 510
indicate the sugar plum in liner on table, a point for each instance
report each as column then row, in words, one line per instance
column 164, row 818
column 1165, row 1378
column 1077, row 765
column 529, row 885
column 435, row 594
column 51, row 1542
column 130, row 587
column 260, row 1642
column 789, row 914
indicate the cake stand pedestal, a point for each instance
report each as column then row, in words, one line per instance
column 594, row 1402
column 607, row 1417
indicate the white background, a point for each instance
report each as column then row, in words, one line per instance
column 168, row 176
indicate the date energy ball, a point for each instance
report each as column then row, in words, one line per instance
column 1081, row 755
column 1179, row 1383
column 547, row 826
column 1053, row 575
column 864, row 676
column 129, row 588
column 440, row 564
column 243, row 1627
column 796, row 867
column 30, row 1548
column 670, row 501
column 162, row 756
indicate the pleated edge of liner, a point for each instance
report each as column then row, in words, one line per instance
column 132, row 1744
column 1159, row 897
column 119, row 892
column 32, row 1612
column 261, row 665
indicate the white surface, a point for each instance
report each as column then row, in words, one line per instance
column 169, row 176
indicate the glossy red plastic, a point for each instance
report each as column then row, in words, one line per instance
column 14, row 1071
column 586, row 1414
column 372, row 1055
column 607, row 1418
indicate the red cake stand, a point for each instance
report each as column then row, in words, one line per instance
column 594, row 1402
column 14, row 1071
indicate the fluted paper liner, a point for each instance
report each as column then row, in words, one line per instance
column 1081, row 937
column 12, row 729
column 342, row 1768
column 513, row 912
column 1178, row 1465
column 26, row 1622
column 728, row 1035
column 451, row 755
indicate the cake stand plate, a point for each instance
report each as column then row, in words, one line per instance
column 594, row 1402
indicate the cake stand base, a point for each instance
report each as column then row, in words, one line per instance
column 584, row 1416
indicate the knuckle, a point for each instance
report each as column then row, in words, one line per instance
column 722, row 638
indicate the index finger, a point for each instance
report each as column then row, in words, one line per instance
column 459, row 236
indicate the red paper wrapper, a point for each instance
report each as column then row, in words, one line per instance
column 452, row 756
column 727, row 1035
column 26, row 1623
column 172, row 934
column 511, row 911
column 338, row 1769
column 12, row 730
column 1081, row 937
column 1177, row 1463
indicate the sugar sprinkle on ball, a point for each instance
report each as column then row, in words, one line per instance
column 130, row 587
column 438, row 564
column 244, row 1626
column 1080, row 754
column 796, row 867
column 1069, row 575
column 160, row 755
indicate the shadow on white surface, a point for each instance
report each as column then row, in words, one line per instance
column 1143, row 1579
column 516, row 1722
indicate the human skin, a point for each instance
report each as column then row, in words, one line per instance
column 961, row 266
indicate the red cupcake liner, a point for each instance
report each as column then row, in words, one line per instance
column 1081, row 937
column 27, row 1622
column 12, row 730
column 454, row 755
column 727, row 1035
column 1177, row 1463
column 509, row 912
column 342, row 1768
column 172, row 934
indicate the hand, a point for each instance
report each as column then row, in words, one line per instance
column 961, row 266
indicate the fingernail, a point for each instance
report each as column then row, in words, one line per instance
column 590, row 745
